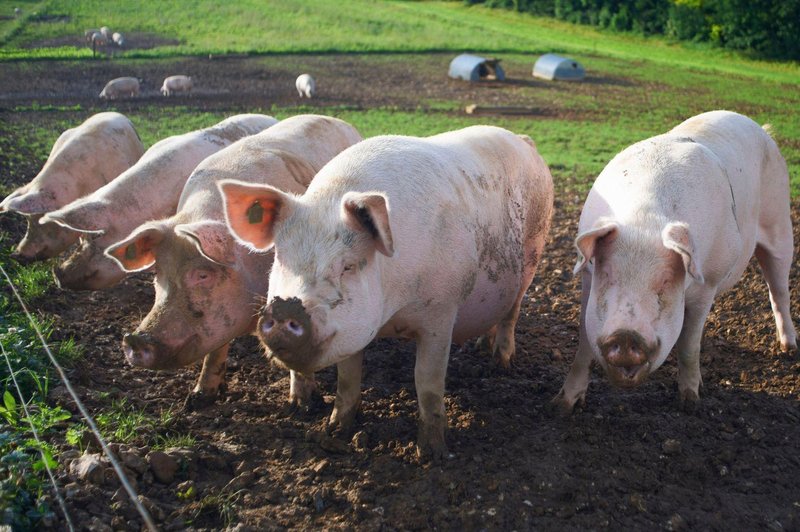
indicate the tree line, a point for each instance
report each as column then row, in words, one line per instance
column 765, row 28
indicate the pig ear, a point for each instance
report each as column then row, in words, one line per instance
column 587, row 242
column 677, row 238
column 212, row 239
column 369, row 212
column 137, row 252
column 251, row 211
column 85, row 218
column 36, row 202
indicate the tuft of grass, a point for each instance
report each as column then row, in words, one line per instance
column 186, row 441
column 218, row 509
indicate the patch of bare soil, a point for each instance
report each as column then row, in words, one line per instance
column 627, row 460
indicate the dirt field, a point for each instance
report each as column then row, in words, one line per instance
column 628, row 460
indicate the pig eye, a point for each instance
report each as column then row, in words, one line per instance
column 349, row 267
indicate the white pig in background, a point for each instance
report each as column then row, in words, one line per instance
column 175, row 84
column 306, row 86
column 671, row 222
column 149, row 190
column 435, row 239
column 82, row 160
column 120, row 88
column 209, row 287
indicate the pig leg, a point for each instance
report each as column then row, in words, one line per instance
column 688, row 346
column 301, row 389
column 775, row 258
column 212, row 379
column 574, row 388
column 503, row 346
column 433, row 352
column 348, row 393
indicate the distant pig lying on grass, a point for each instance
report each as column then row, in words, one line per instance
column 671, row 222
column 435, row 239
column 82, row 160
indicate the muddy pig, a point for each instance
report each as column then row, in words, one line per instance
column 434, row 239
column 671, row 222
column 149, row 190
column 208, row 287
column 82, row 160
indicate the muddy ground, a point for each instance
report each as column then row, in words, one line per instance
column 627, row 460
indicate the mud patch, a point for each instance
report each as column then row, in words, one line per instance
column 627, row 460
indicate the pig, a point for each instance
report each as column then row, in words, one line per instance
column 148, row 190
column 207, row 285
column 306, row 86
column 105, row 31
column 671, row 222
column 174, row 84
column 435, row 239
column 118, row 39
column 89, row 34
column 120, row 88
column 82, row 160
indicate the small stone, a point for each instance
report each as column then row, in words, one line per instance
column 96, row 525
column 71, row 454
column 671, row 447
column 133, row 461
column 676, row 522
column 334, row 445
column 320, row 466
column 360, row 441
column 88, row 467
column 163, row 466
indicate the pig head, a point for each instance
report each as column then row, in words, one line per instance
column 201, row 293
column 634, row 311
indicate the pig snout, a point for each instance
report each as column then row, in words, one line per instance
column 140, row 349
column 627, row 355
column 20, row 258
column 285, row 328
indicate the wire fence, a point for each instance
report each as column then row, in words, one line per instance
column 148, row 520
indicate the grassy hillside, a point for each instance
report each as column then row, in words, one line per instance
column 279, row 26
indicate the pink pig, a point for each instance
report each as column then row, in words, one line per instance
column 148, row 190
column 434, row 239
column 82, row 160
column 671, row 222
column 208, row 287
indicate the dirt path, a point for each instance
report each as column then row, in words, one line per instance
column 626, row 461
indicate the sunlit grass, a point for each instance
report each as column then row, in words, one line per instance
column 281, row 26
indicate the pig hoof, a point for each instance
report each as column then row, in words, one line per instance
column 483, row 343
column 342, row 424
column 296, row 406
column 689, row 401
column 199, row 401
column 430, row 443
column 562, row 407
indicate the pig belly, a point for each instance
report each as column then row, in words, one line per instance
column 488, row 303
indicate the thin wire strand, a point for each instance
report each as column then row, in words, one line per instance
column 114, row 463
column 38, row 441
